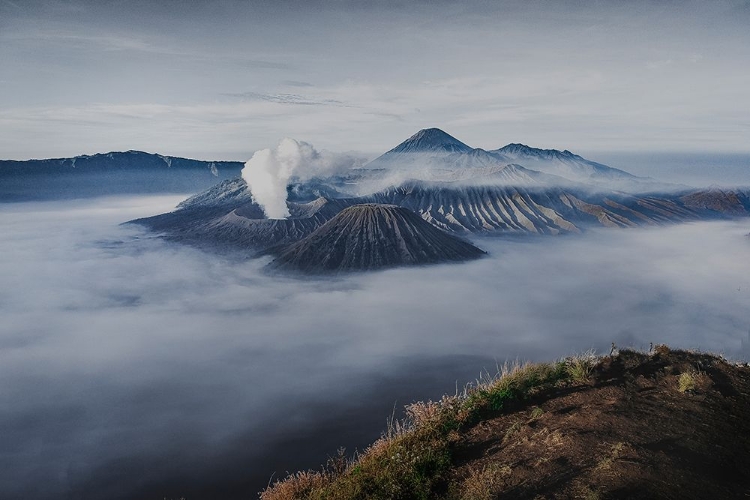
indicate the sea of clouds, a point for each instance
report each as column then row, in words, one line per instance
column 134, row 367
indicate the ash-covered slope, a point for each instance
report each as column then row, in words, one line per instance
column 237, row 222
column 487, row 209
column 372, row 236
column 226, row 215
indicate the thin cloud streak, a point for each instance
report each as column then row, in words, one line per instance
column 286, row 99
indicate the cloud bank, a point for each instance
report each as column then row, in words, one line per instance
column 131, row 367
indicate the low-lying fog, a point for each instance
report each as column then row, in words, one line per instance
column 692, row 169
column 131, row 367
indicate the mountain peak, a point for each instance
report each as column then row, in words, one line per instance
column 430, row 140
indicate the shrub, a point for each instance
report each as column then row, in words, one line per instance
column 485, row 483
column 661, row 349
column 686, row 382
column 536, row 413
column 581, row 367
column 693, row 380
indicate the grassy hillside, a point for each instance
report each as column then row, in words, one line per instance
column 665, row 424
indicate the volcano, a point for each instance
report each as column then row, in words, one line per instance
column 373, row 236
column 431, row 139
column 450, row 186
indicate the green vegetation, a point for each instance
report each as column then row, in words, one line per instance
column 412, row 457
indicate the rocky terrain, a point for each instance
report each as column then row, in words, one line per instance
column 664, row 424
column 372, row 236
column 227, row 215
column 454, row 188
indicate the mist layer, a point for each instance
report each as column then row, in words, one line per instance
column 133, row 367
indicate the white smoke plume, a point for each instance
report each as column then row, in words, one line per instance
column 269, row 171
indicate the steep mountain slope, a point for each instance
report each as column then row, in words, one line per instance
column 229, row 193
column 226, row 215
column 241, row 224
column 726, row 201
column 233, row 193
column 487, row 208
column 372, row 236
column 431, row 140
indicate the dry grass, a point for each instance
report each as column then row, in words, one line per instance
column 613, row 455
column 661, row 349
column 412, row 456
column 484, row 483
column 295, row 486
column 686, row 382
column 512, row 430
column 536, row 413
column 581, row 367
column 693, row 381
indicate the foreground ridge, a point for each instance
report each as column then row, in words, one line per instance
column 669, row 424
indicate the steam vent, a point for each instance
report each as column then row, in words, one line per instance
column 373, row 236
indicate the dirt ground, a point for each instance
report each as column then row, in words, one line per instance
column 671, row 425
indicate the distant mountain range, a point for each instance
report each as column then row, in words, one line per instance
column 450, row 186
column 429, row 155
column 110, row 173
column 433, row 155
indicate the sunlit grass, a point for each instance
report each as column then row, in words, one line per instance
column 412, row 456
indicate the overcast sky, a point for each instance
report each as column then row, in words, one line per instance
column 219, row 79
